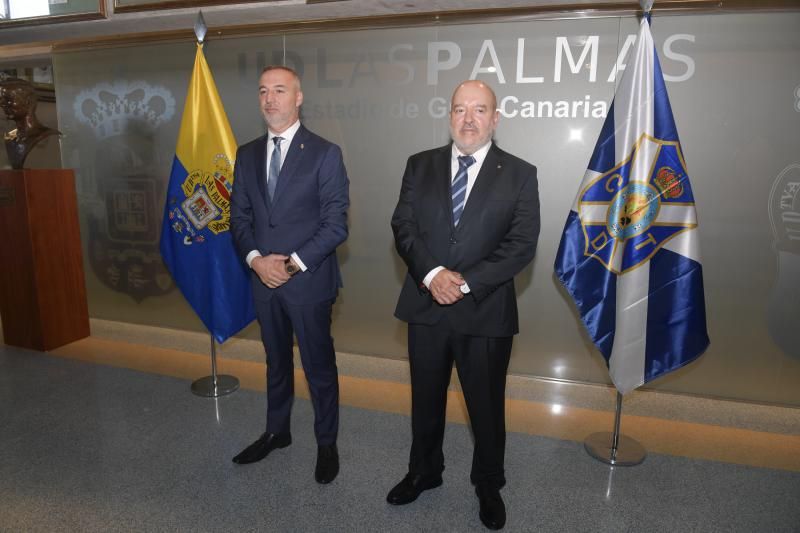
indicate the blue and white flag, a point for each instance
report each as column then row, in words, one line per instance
column 629, row 255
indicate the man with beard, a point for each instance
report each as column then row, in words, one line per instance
column 466, row 223
column 288, row 215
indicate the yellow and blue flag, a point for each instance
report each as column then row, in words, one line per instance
column 196, row 242
column 629, row 255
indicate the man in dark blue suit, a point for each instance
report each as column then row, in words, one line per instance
column 288, row 215
column 466, row 223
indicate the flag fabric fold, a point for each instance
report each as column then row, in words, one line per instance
column 196, row 242
column 629, row 254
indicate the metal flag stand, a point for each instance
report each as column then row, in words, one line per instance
column 214, row 386
column 613, row 448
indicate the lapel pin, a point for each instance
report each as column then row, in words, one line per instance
column 302, row 146
column 499, row 166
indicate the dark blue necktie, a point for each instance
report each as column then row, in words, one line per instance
column 458, row 189
column 274, row 167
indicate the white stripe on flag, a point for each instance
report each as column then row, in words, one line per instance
column 676, row 214
column 588, row 177
column 686, row 243
column 633, row 116
column 626, row 364
column 594, row 213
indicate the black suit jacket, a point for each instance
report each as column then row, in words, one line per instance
column 308, row 214
column 494, row 240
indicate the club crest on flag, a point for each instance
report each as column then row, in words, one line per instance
column 631, row 211
column 205, row 204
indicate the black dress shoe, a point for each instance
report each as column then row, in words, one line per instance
column 493, row 510
column 411, row 487
column 261, row 448
column 327, row 464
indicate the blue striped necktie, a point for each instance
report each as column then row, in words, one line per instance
column 458, row 190
column 274, row 167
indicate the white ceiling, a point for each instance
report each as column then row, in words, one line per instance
column 32, row 40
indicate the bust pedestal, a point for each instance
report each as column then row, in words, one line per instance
column 42, row 286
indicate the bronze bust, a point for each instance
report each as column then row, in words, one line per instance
column 18, row 101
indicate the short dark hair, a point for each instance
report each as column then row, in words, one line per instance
column 290, row 70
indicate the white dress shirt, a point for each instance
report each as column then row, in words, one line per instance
column 472, row 174
column 287, row 137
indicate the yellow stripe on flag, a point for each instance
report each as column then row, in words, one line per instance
column 205, row 130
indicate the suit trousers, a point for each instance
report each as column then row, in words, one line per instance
column 482, row 364
column 311, row 323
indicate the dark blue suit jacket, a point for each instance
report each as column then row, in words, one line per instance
column 308, row 214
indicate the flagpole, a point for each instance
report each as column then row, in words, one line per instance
column 613, row 448
column 214, row 386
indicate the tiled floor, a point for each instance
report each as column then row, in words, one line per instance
column 735, row 432
column 104, row 435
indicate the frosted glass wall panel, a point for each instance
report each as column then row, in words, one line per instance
column 734, row 82
column 366, row 91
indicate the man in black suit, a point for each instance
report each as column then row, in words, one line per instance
column 288, row 215
column 466, row 223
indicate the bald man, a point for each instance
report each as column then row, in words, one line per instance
column 466, row 223
column 288, row 216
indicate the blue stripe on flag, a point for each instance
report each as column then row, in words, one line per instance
column 210, row 276
column 676, row 315
column 603, row 156
column 597, row 306
column 664, row 123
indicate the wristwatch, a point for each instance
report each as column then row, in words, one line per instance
column 291, row 269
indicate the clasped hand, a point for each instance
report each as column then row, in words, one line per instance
column 445, row 287
column 271, row 269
